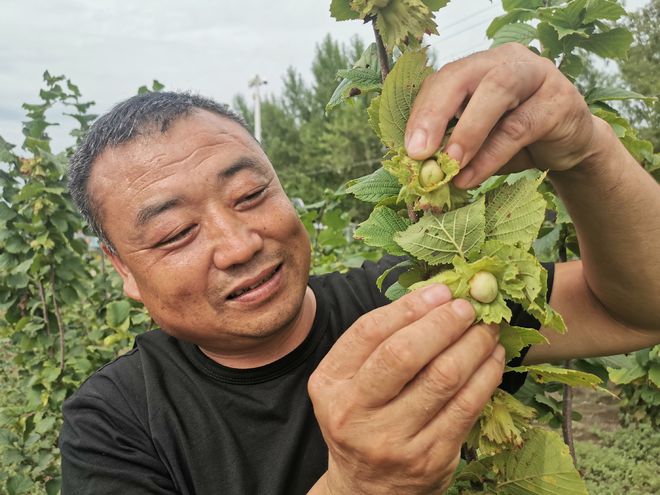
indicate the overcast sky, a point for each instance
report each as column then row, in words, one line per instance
column 110, row 47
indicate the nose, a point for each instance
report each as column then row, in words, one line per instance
column 235, row 243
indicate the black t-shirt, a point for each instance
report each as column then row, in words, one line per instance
column 165, row 419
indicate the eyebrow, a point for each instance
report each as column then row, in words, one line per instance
column 148, row 213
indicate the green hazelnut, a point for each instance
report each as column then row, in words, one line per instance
column 483, row 287
column 430, row 173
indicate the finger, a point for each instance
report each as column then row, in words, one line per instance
column 353, row 348
column 443, row 94
column 501, row 90
column 440, row 381
column 399, row 358
column 453, row 423
column 522, row 127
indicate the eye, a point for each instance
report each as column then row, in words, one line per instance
column 176, row 237
column 253, row 196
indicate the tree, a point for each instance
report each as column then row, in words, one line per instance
column 641, row 70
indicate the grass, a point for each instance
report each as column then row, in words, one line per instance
column 619, row 462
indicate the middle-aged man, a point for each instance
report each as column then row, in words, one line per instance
column 265, row 381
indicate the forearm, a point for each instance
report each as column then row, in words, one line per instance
column 615, row 206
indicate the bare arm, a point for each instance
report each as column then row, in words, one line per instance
column 521, row 112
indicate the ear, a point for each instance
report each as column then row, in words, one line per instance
column 130, row 286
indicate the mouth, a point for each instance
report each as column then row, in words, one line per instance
column 251, row 288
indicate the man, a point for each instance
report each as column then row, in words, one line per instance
column 192, row 216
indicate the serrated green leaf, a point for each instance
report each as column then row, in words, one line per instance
column 402, row 21
column 511, row 17
column 608, row 94
column 341, row 10
column 436, row 239
column 395, row 291
column 597, row 10
column 502, row 422
column 378, row 230
column 610, row 44
column 510, row 5
column 514, row 213
column 399, row 91
column 383, row 276
column 623, row 376
column 543, row 466
column 373, row 112
column 518, row 33
column 363, row 78
column 545, row 247
column 375, row 187
column 515, row 339
column 549, row 39
column 654, row 374
column 544, row 373
column 522, row 282
column 571, row 66
column 435, row 5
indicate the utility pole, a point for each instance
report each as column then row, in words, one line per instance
column 256, row 83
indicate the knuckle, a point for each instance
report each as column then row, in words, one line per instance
column 396, row 355
column 517, row 49
column 366, row 326
column 409, row 307
column 444, row 377
column 465, row 410
column 501, row 79
column 515, row 126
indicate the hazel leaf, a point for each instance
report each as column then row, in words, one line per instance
column 436, row 239
column 515, row 212
column 378, row 230
column 399, row 91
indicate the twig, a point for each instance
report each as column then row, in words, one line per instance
column 567, row 392
column 58, row 317
column 382, row 52
column 567, row 412
column 44, row 309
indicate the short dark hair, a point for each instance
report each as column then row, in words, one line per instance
column 140, row 115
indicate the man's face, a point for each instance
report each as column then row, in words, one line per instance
column 205, row 236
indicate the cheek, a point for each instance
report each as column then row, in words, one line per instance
column 170, row 285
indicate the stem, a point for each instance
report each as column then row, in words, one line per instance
column 567, row 412
column 58, row 317
column 44, row 309
column 567, row 392
column 103, row 272
column 382, row 52
column 412, row 215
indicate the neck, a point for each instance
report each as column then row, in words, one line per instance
column 277, row 346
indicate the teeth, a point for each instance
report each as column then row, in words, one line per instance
column 251, row 287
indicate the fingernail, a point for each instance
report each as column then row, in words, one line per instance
column 463, row 309
column 498, row 353
column 455, row 151
column 417, row 141
column 464, row 177
column 436, row 294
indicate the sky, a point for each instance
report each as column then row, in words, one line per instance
column 109, row 48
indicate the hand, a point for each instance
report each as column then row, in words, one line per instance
column 397, row 394
column 517, row 111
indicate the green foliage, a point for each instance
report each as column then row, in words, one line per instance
column 490, row 232
column 330, row 230
column 313, row 151
column 638, row 378
column 62, row 315
column 623, row 461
